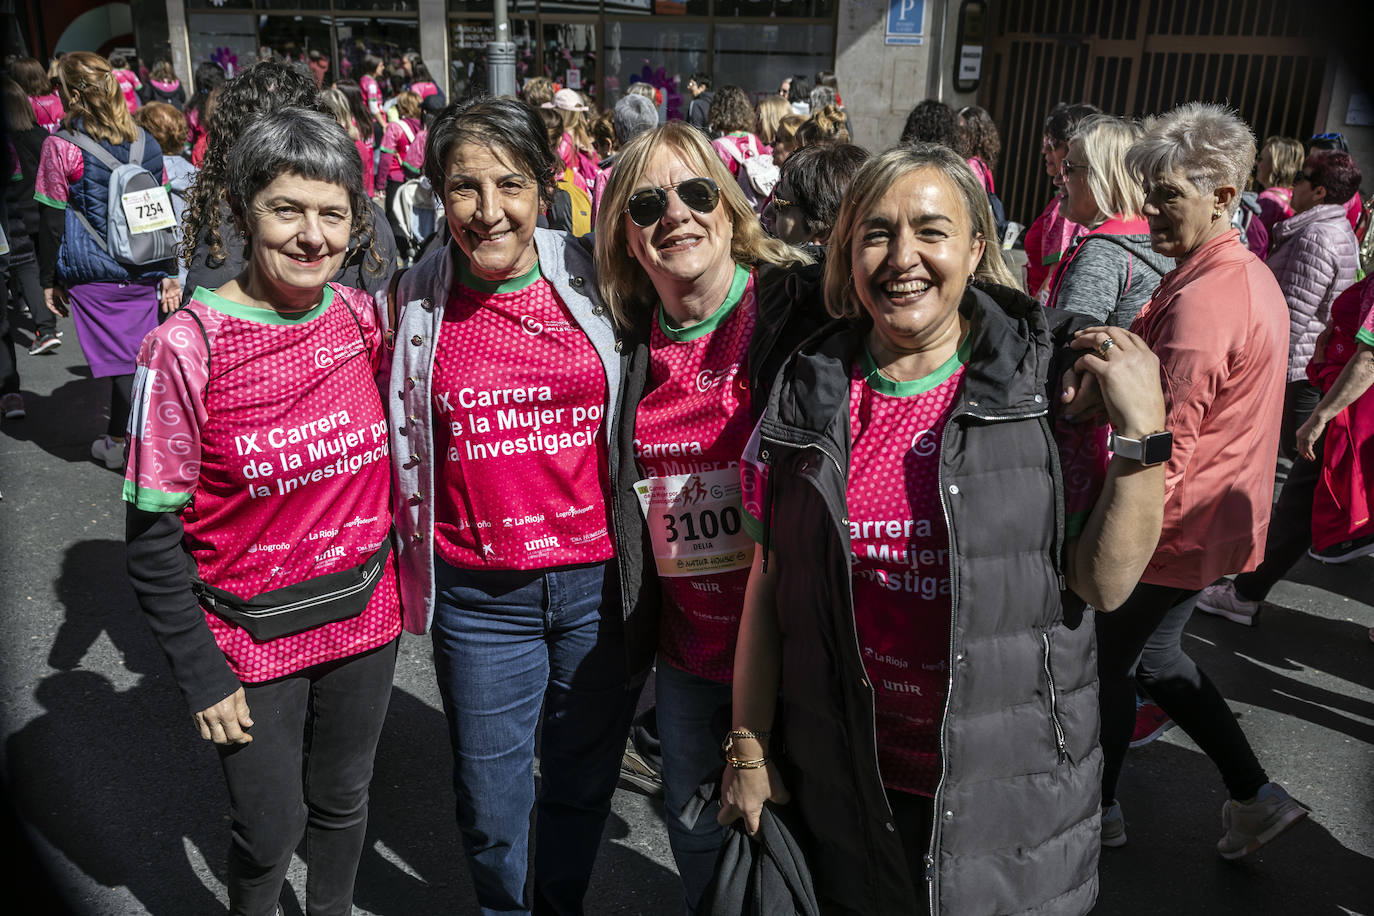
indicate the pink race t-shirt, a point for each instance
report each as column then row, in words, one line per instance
column 372, row 95
column 519, row 395
column 129, row 86
column 690, row 428
column 899, row 543
column 266, row 434
column 47, row 109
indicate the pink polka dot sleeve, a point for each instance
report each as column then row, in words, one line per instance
column 753, row 479
column 59, row 166
column 168, row 415
column 1083, row 461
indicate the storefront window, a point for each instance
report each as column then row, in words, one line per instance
column 757, row 57
column 658, row 7
column 816, row 9
column 387, row 39
column 219, row 4
column 570, row 55
column 468, row 57
column 388, row 6
column 485, row 6
column 228, row 40
column 292, row 5
column 294, row 37
column 664, row 54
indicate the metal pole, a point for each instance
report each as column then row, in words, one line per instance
column 501, row 55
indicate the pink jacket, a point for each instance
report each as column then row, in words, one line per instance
column 1219, row 325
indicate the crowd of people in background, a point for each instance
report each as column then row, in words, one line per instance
column 731, row 401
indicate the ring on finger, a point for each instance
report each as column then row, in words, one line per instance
column 1106, row 344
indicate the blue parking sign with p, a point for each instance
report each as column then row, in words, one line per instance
column 905, row 21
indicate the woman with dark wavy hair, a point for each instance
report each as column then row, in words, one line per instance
column 215, row 252
column 209, row 77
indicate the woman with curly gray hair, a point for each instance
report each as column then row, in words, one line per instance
column 260, row 450
column 1219, row 325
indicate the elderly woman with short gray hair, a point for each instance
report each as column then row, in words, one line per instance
column 259, row 449
column 1219, row 325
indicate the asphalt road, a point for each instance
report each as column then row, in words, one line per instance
column 124, row 806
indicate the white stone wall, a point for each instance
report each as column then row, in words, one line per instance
column 1360, row 139
column 881, row 83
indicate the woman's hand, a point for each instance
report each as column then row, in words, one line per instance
column 169, row 295
column 743, row 792
column 224, row 723
column 55, row 298
column 1309, row 433
column 1127, row 372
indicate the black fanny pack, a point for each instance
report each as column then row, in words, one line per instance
column 295, row 608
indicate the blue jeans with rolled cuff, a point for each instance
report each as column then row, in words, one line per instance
column 691, row 728
column 518, row 652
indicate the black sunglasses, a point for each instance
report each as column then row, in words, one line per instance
column 647, row 207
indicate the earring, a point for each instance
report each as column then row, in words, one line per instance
column 971, row 278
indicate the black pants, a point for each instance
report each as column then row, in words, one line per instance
column 307, row 772
column 401, row 233
column 1290, row 527
column 23, row 284
column 1300, row 398
column 1144, row 639
column 9, row 369
column 121, row 404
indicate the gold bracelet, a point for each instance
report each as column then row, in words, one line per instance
column 746, row 733
column 756, row 764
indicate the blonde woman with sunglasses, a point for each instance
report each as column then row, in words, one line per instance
column 699, row 289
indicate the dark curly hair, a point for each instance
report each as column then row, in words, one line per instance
column 262, row 88
column 730, row 111
column 931, row 122
column 818, row 177
column 209, row 77
column 979, row 136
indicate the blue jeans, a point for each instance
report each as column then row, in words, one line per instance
column 506, row 644
column 687, row 705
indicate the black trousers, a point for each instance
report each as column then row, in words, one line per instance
column 1143, row 639
column 1290, row 527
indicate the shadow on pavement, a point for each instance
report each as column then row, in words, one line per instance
column 48, row 424
column 1170, row 863
column 113, row 779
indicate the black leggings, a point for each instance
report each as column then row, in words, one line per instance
column 1143, row 639
column 121, row 403
column 1290, row 527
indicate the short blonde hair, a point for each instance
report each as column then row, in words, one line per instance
column 872, row 182
column 1206, row 143
column 1106, row 140
column 623, row 283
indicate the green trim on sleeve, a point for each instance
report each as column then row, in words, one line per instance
column 387, row 149
column 752, row 527
column 1365, row 336
column 45, row 199
column 1075, row 523
column 150, row 500
column 410, row 168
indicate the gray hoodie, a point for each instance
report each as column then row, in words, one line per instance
column 1109, row 277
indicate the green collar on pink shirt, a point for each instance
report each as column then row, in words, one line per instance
column 681, row 335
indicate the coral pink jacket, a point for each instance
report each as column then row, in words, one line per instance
column 1219, row 325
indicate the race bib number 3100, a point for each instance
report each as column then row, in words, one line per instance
column 695, row 523
column 148, row 210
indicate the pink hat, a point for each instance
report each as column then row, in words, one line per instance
column 567, row 100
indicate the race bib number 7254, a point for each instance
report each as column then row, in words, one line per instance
column 148, row 210
column 695, row 523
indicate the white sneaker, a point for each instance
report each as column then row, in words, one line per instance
column 108, row 451
column 1222, row 600
column 1249, row 825
column 1113, row 826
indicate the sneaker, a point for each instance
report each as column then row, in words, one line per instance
column 1113, row 826
column 1345, row 551
column 108, row 451
column 1249, row 825
column 635, row 770
column 12, row 405
column 44, row 343
column 1150, row 723
column 1222, row 600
